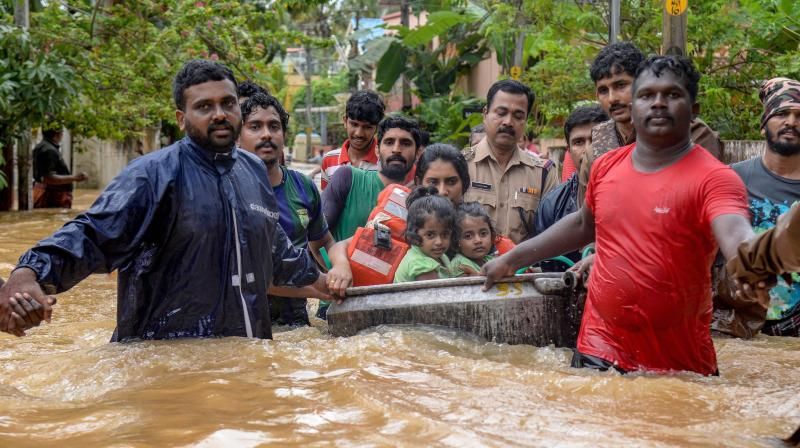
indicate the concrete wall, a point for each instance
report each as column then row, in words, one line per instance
column 102, row 160
column 738, row 150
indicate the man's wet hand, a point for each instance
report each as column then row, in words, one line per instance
column 23, row 304
column 339, row 279
column 495, row 270
column 583, row 266
column 757, row 292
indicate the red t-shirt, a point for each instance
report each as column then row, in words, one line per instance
column 649, row 302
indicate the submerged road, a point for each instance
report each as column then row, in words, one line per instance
column 65, row 385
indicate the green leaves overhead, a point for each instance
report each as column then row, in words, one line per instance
column 391, row 65
column 439, row 22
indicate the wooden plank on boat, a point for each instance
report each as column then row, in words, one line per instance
column 536, row 309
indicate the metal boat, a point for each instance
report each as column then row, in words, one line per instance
column 535, row 309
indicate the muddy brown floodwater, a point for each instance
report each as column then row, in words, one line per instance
column 66, row 385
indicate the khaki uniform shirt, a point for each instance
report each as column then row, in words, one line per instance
column 511, row 195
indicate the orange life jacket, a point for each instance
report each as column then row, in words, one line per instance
column 503, row 244
column 372, row 264
column 374, row 260
column 391, row 210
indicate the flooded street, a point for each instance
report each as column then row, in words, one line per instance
column 66, row 385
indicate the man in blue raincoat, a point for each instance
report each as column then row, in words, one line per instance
column 192, row 229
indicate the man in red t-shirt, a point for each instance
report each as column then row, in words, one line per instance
column 657, row 210
column 363, row 112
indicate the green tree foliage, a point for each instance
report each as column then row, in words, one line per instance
column 35, row 85
column 126, row 53
column 734, row 44
column 324, row 91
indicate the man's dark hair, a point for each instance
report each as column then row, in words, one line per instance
column 680, row 66
column 399, row 121
column 584, row 115
column 264, row 101
column 249, row 88
column 447, row 153
column 198, row 71
column 424, row 138
column 619, row 57
column 365, row 105
column 513, row 87
column 51, row 133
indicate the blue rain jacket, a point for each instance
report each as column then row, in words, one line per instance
column 196, row 240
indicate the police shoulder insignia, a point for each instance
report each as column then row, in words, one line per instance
column 468, row 152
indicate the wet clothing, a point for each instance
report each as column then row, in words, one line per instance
column 195, row 238
column 300, row 208
column 605, row 137
column 349, row 199
column 47, row 160
column 339, row 157
column 774, row 252
column 770, row 196
column 583, row 361
column 568, row 168
column 416, row 263
column 555, row 205
column 649, row 298
column 302, row 219
column 461, row 260
column 510, row 195
column 288, row 311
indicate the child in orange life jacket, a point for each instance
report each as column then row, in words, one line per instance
column 474, row 237
column 431, row 219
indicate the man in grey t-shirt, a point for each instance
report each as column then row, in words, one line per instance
column 773, row 185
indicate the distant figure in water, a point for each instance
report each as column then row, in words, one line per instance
column 192, row 229
column 657, row 209
column 52, row 187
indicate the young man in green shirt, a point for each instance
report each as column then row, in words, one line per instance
column 264, row 133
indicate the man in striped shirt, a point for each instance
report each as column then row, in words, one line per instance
column 365, row 109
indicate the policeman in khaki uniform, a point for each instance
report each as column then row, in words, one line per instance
column 506, row 179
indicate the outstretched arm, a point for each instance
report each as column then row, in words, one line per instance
column 731, row 231
column 100, row 240
column 340, row 276
column 571, row 233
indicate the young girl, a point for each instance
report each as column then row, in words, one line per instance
column 473, row 238
column 431, row 219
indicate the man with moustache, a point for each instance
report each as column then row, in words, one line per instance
column 507, row 180
column 773, row 186
column 192, row 229
column 264, row 123
column 658, row 209
column 612, row 72
column 353, row 192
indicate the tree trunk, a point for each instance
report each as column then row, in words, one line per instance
column 25, row 171
column 309, row 101
column 404, row 11
column 7, row 193
column 22, row 18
